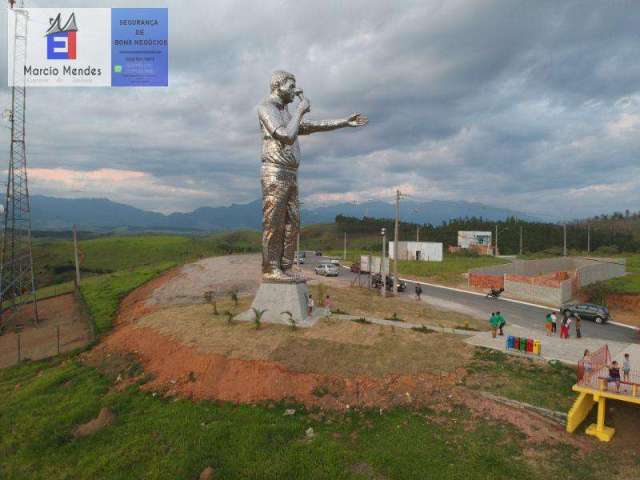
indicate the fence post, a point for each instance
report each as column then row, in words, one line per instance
column 19, row 348
column 58, row 337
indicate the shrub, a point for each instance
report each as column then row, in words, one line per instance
column 394, row 318
column 233, row 294
column 607, row 250
column 292, row 321
column 257, row 320
column 362, row 320
column 597, row 293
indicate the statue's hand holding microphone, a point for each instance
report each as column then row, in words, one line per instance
column 305, row 105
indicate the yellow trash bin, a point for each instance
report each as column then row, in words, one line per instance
column 537, row 347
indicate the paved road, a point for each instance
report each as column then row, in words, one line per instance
column 519, row 314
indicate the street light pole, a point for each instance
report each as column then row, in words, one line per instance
column 588, row 238
column 395, row 244
column 495, row 254
column 344, row 253
column 521, row 240
column 383, row 271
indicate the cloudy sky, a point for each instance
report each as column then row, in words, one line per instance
column 533, row 106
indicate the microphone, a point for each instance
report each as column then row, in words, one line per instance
column 299, row 93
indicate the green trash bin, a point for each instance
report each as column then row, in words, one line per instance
column 523, row 344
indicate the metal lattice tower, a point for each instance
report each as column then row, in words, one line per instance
column 17, row 282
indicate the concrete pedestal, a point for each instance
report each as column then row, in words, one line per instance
column 277, row 298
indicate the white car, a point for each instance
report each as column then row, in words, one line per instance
column 298, row 261
column 334, row 261
column 327, row 269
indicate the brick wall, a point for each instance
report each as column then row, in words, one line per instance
column 483, row 281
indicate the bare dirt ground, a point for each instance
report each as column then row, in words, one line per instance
column 217, row 274
column 62, row 327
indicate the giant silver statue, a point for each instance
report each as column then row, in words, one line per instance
column 280, row 161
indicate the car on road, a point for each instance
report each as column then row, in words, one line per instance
column 376, row 282
column 327, row 269
column 334, row 261
column 587, row 311
column 299, row 260
column 318, row 253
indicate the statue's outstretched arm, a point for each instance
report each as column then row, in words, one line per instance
column 353, row 120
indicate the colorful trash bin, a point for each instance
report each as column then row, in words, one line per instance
column 510, row 341
column 523, row 344
column 529, row 347
column 516, row 343
column 537, row 347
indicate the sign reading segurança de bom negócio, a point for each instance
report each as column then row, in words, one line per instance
column 92, row 47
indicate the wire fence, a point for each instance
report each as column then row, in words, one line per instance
column 35, row 343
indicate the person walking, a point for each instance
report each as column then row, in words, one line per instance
column 418, row 291
column 501, row 323
column 554, row 323
column 548, row 325
column 493, row 323
column 564, row 330
column 578, row 326
column 310, row 305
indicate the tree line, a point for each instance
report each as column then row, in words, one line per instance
column 608, row 236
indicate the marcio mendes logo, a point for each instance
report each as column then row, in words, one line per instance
column 61, row 41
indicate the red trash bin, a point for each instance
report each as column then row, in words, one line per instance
column 516, row 343
column 529, row 345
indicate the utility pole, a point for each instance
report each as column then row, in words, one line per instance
column 588, row 238
column 75, row 255
column 383, row 271
column 344, row 253
column 495, row 254
column 395, row 244
column 564, row 248
column 417, row 233
column 521, row 240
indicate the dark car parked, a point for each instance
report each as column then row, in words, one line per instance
column 587, row 311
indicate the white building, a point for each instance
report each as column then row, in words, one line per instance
column 472, row 239
column 421, row 251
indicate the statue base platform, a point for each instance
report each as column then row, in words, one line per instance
column 277, row 298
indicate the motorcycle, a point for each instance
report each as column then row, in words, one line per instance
column 495, row 293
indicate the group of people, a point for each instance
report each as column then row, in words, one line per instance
column 614, row 370
column 311, row 304
column 497, row 323
column 551, row 324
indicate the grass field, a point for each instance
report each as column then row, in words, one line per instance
column 104, row 293
column 156, row 438
column 449, row 271
column 53, row 259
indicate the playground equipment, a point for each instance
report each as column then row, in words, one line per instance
column 525, row 345
column 594, row 386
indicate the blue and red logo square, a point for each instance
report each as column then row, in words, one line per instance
column 61, row 41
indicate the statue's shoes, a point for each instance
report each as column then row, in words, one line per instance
column 277, row 275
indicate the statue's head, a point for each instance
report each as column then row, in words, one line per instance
column 283, row 84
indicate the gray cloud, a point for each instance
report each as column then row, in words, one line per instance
column 530, row 105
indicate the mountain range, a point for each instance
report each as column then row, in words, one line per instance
column 101, row 214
